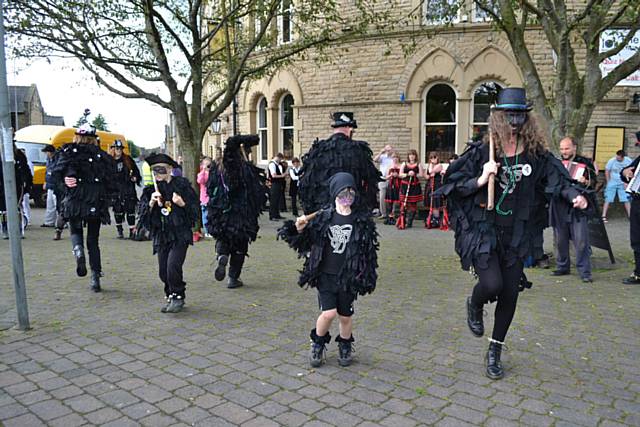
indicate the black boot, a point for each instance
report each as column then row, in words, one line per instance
column 494, row 366
column 221, row 269
column 474, row 319
column 412, row 215
column 344, row 350
column 58, row 234
column 435, row 222
column 234, row 282
column 318, row 348
column 95, row 281
column 120, row 232
column 81, row 261
column 176, row 305
column 131, row 233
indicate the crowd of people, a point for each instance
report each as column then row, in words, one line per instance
column 498, row 208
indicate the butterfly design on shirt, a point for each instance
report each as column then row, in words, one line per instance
column 339, row 236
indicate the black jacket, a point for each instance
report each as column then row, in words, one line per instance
column 126, row 195
column 328, row 157
column 562, row 211
column 358, row 274
column 24, row 178
column 475, row 233
column 177, row 225
column 93, row 170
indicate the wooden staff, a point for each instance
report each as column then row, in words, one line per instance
column 155, row 185
column 491, row 185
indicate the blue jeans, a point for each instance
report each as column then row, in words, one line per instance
column 203, row 209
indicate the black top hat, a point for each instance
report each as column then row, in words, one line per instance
column 117, row 144
column 86, row 129
column 514, row 99
column 154, row 159
column 49, row 149
column 342, row 119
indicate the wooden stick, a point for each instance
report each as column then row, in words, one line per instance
column 491, row 185
column 155, row 185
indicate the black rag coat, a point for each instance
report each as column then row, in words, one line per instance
column 126, row 197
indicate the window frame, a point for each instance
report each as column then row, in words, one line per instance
column 455, row 20
column 284, row 127
column 425, row 124
column 263, row 146
column 281, row 15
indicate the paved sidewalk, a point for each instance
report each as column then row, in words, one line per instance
column 238, row 357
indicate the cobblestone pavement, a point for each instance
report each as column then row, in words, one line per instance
column 238, row 357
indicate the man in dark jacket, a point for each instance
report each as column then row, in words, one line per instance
column 569, row 223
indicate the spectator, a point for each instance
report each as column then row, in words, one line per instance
column 276, row 176
column 433, row 174
column 614, row 183
column 294, row 174
column 177, row 171
column 411, row 191
column 392, row 195
column 50, row 214
column 385, row 158
column 203, row 178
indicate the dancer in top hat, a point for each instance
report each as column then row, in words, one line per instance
column 87, row 175
column 127, row 176
column 237, row 194
column 495, row 242
column 169, row 209
column 342, row 245
column 338, row 153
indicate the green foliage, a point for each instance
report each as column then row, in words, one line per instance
column 134, row 150
column 99, row 122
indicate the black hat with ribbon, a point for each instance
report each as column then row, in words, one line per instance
column 154, row 159
column 343, row 119
column 513, row 99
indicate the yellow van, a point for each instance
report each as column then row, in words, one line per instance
column 32, row 140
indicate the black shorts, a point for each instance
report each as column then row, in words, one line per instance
column 330, row 297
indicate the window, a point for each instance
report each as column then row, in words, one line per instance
column 286, row 125
column 441, row 11
column 483, row 97
column 440, row 121
column 262, row 128
column 479, row 15
column 285, row 22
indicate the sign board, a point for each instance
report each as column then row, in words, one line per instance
column 609, row 139
column 609, row 39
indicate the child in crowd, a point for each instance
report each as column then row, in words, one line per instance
column 392, row 196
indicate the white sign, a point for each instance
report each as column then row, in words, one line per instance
column 609, row 39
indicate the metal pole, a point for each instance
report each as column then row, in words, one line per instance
column 9, row 173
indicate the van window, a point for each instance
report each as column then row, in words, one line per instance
column 33, row 152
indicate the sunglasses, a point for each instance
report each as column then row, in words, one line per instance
column 161, row 170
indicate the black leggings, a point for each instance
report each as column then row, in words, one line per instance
column 500, row 282
column 93, row 237
column 170, row 261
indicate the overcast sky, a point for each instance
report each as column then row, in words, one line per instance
column 67, row 93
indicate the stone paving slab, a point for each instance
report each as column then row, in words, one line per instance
column 238, row 357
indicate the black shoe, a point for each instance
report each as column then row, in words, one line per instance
column 81, row 262
column 318, row 349
column 166, row 305
column 95, row 281
column 234, row 283
column 560, row 273
column 587, row 280
column 345, row 350
column 632, row 280
column 494, row 366
column 176, row 305
column 120, row 232
column 474, row 319
column 132, row 234
column 57, row 235
column 543, row 262
column 221, row 269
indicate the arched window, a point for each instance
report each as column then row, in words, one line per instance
column 286, row 125
column 440, row 121
column 484, row 96
column 262, row 129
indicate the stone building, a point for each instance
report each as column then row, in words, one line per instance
column 435, row 99
column 26, row 108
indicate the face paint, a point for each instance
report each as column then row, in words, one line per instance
column 346, row 197
column 516, row 119
column 160, row 170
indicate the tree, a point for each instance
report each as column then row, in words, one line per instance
column 99, row 122
column 189, row 56
column 133, row 149
column 573, row 31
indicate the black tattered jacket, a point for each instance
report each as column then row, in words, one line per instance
column 358, row 274
column 177, row 225
column 475, row 230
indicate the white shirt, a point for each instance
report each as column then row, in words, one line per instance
column 385, row 163
column 274, row 169
column 293, row 173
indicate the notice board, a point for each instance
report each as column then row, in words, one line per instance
column 609, row 139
